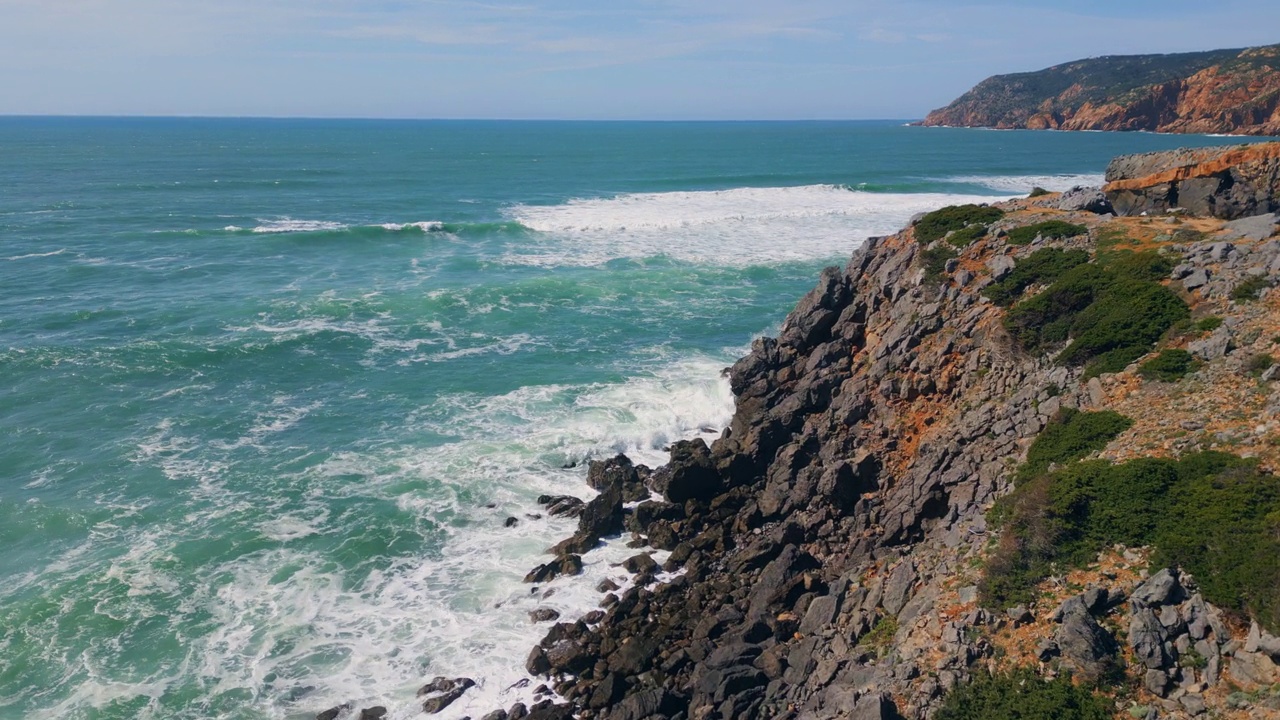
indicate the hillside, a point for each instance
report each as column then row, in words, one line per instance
column 1221, row 91
column 1014, row 461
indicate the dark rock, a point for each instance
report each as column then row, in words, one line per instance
column 607, row 694
column 518, row 712
column 607, row 585
column 558, row 505
column 544, row 615
column 377, row 712
column 451, row 690
column 641, row 564
column 549, row 711
column 898, row 587
column 333, row 712
column 537, row 662
column 1086, row 648
column 496, row 715
column 633, row 656
column 511, row 522
column 690, row 475
column 644, row 704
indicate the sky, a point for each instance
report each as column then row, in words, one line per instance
column 569, row 59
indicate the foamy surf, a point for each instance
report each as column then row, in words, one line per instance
column 739, row 227
column 1023, row 184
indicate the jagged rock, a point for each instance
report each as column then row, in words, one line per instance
column 1257, row 227
column 1160, row 589
column 1197, row 278
column 641, row 705
column 1147, row 637
column 450, row 691
column 898, row 588
column 1085, row 199
column 691, row 473
column 1157, row 681
column 1085, row 647
column 640, row 564
column 1225, row 182
column 373, row 713
column 1020, row 615
column 334, row 712
column 1213, row 347
column 558, row 505
column 496, row 715
column 544, row 615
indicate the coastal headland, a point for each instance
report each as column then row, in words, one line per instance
column 1233, row 92
column 1014, row 455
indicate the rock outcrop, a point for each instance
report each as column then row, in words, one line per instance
column 1222, row 91
column 1223, row 182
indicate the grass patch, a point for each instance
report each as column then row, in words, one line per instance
column 1041, row 266
column 933, row 226
column 967, row 236
column 1249, row 289
column 1022, row 695
column 880, row 637
column 1168, row 366
column 1037, row 191
column 1209, row 324
column 1215, row 515
column 1259, row 364
column 1055, row 229
column 935, row 262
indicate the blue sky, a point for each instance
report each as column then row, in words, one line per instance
column 608, row 59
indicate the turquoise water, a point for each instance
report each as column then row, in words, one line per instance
column 272, row 387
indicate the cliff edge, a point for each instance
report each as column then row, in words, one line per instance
column 1221, row 91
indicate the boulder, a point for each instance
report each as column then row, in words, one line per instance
column 690, row 475
column 1085, row 199
column 1085, row 647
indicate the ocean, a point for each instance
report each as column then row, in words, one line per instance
column 272, row 388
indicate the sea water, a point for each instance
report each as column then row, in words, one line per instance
column 271, row 389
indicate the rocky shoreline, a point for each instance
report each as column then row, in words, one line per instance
column 826, row 551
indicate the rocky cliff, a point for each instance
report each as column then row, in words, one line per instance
column 1224, row 182
column 835, row 553
column 1224, row 91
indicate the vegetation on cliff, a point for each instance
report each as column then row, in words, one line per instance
column 1223, row 91
column 1022, row 695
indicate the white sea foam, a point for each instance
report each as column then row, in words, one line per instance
column 287, row 618
column 738, row 227
column 288, row 225
column 36, row 255
column 1023, row 184
column 425, row 226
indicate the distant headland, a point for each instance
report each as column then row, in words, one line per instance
column 1220, row 91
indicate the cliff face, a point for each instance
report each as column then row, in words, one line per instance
column 1225, row 91
column 824, row 557
column 826, row 551
column 1224, row 182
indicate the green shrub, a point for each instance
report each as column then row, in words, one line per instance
column 967, row 236
column 880, row 637
column 1041, row 266
column 1209, row 324
column 1147, row 265
column 1111, row 313
column 1215, row 515
column 1047, row 229
column 1250, row 288
column 1259, row 364
column 935, row 261
column 1022, row 695
column 933, row 226
column 1122, row 326
column 1037, row 191
column 1071, row 436
column 1168, row 366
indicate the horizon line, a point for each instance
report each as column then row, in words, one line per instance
column 109, row 116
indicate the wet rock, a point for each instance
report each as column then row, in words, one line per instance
column 642, row 564
column 563, row 565
column 511, row 522
column 544, row 615
column 373, row 713
column 690, row 475
column 450, row 691
column 561, row 505
column 334, row 712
